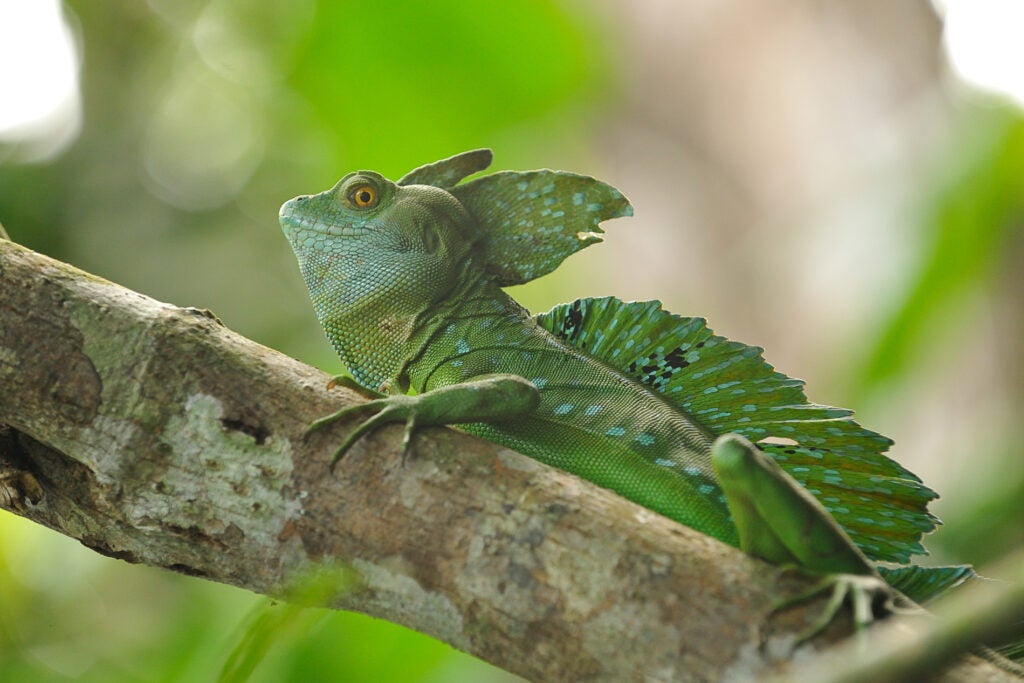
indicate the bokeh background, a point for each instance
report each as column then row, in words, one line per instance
column 841, row 182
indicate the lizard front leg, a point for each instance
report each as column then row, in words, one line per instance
column 483, row 399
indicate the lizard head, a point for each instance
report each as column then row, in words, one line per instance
column 368, row 240
column 376, row 254
column 407, row 241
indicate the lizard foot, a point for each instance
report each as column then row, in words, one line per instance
column 398, row 408
column 486, row 398
column 869, row 597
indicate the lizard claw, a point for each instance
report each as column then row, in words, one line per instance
column 410, row 425
column 349, row 383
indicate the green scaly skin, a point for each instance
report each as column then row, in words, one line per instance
column 406, row 279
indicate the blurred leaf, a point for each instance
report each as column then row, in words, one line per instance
column 281, row 624
column 408, row 82
column 974, row 237
column 994, row 524
column 975, row 216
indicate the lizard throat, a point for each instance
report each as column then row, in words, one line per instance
column 377, row 334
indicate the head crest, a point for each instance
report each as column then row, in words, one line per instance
column 447, row 173
column 530, row 221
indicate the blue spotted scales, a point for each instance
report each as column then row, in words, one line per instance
column 406, row 279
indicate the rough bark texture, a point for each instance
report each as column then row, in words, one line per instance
column 155, row 435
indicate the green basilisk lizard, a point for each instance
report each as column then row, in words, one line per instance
column 406, row 279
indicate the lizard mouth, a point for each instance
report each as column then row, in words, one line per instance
column 297, row 219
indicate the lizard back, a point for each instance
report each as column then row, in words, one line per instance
column 593, row 420
column 632, row 398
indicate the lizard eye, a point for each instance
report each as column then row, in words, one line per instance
column 363, row 196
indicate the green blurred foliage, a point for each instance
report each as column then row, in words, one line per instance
column 971, row 261
column 972, row 220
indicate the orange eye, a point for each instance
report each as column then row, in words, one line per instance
column 363, row 196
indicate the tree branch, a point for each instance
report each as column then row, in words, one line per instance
column 155, row 435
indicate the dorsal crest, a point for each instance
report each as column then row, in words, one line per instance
column 531, row 220
column 727, row 387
